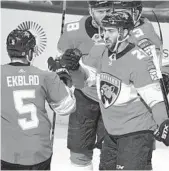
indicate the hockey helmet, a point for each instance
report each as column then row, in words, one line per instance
column 118, row 20
column 19, row 43
column 100, row 4
column 130, row 5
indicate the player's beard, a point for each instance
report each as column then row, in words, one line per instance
column 110, row 45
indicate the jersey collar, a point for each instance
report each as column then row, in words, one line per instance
column 122, row 53
column 18, row 64
column 90, row 29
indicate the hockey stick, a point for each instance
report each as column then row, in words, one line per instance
column 63, row 16
column 62, row 28
column 163, row 88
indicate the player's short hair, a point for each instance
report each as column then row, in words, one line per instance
column 19, row 43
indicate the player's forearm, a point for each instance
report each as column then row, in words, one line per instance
column 66, row 105
column 89, row 72
column 153, row 97
column 159, row 113
column 151, row 94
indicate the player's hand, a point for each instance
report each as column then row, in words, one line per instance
column 53, row 65
column 162, row 133
column 65, row 76
column 70, row 59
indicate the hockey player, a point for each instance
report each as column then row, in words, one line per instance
column 76, row 41
column 143, row 33
column 25, row 127
column 125, row 71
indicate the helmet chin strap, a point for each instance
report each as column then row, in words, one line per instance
column 94, row 22
column 30, row 59
column 133, row 16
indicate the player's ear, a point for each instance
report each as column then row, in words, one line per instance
column 121, row 33
column 136, row 14
column 126, row 32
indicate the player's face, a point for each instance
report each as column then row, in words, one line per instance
column 99, row 13
column 110, row 37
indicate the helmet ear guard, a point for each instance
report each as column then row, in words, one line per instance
column 118, row 20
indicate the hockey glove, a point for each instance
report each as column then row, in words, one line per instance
column 65, row 76
column 162, row 133
column 70, row 59
column 53, row 65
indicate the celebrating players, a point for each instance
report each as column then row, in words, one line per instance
column 76, row 42
column 127, row 77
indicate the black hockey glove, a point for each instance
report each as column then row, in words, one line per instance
column 53, row 65
column 162, row 133
column 65, row 76
column 70, row 59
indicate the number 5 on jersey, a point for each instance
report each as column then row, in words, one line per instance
column 24, row 109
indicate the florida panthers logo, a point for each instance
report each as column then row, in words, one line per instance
column 109, row 89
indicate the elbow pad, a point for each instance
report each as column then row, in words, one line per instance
column 151, row 94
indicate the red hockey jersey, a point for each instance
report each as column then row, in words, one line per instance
column 81, row 35
column 145, row 31
column 25, row 127
column 120, row 80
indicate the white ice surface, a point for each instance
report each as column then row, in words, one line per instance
column 60, row 160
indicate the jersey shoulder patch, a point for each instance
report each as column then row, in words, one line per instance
column 145, row 42
column 72, row 26
column 76, row 25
